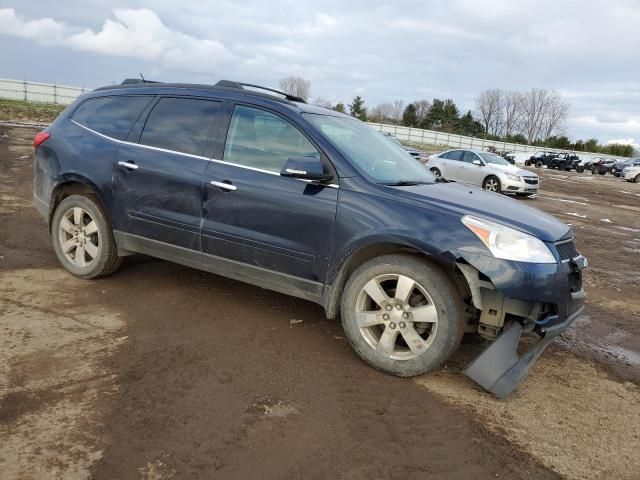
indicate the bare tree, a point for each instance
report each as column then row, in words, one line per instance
column 512, row 112
column 544, row 113
column 397, row 108
column 556, row 114
column 297, row 86
column 381, row 113
column 490, row 109
column 422, row 108
column 322, row 102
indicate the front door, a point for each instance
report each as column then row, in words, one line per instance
column 469, row 172
column 157, row 183
column 255, row 216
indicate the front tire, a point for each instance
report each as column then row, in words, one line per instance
column 436, row 172
column 401, row 315
column 637, row 179
column 82, row 237
column 492, row 184
column 539, row 164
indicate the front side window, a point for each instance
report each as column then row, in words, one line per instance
column 111, row 116
column 260, row 139
column 469, row 157
column 369, row 151
column 180, row 125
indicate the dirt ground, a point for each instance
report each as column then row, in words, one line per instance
column 161, row 371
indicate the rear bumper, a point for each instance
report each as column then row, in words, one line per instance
column 41, row 206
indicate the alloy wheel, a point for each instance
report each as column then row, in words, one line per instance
column 79, row 237
column 491, row 185
column 396, row 316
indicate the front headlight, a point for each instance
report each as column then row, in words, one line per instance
column 513, row 178
column 507, row 243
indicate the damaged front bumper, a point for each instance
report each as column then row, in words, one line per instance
column 512, row 299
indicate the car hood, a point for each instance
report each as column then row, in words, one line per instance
column 464, row 200
column 513, row 170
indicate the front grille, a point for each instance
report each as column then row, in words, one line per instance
column 567, row 250
column 531, row 180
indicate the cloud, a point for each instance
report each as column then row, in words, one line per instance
column 43, row 30
column 134, row 33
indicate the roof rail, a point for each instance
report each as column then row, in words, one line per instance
column 131, row 81
column 240, row 85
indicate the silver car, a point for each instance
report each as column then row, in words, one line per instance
column 484, row 169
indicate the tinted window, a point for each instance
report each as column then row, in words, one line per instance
column 111, row 116
column 260, row 139
column 180, row 124
column 454, row 155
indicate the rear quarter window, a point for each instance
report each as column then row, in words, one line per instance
column 111, row 116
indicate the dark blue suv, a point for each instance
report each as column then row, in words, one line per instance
column 256, row 185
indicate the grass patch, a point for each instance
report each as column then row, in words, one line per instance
column 21, row 111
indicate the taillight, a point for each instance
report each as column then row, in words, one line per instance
column 40, row 138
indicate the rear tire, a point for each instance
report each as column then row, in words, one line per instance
column 83, row 239
column 400, row 344
column 492, row 184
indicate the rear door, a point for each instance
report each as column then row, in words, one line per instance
column 158, row 177
column 255, row 216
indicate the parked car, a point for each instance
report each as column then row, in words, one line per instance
column 263, row 188
column 618, row 167
column 632, row 173
column 486, row 170
column 414, row 152
column 602, row 166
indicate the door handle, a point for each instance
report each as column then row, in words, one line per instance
column 224, row 186
column 130, row 165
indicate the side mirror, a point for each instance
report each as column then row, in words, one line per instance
column 305, row 168
column 477, row 162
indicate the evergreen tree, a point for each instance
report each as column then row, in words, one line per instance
column 356, row 109
column 410, row 116
column 339, row 107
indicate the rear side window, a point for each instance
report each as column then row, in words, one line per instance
column 454, row 155
column 180, row 124
column 111, row 116
column 260, row 139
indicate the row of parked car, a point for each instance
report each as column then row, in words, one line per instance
column 628, row 169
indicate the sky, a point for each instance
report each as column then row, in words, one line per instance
column 586, row 50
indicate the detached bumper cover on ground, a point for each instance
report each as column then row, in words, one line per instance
column 498, row 369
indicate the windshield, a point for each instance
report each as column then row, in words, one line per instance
column 370, row 152
column 493, row 158
column 393, row 139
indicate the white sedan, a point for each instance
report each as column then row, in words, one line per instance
column 486, row 170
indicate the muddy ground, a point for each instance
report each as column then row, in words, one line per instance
column 161, row 371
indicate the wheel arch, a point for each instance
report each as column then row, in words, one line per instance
column 72, row 184
column 444, row 261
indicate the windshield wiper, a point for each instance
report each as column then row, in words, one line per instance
column 404, row 183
